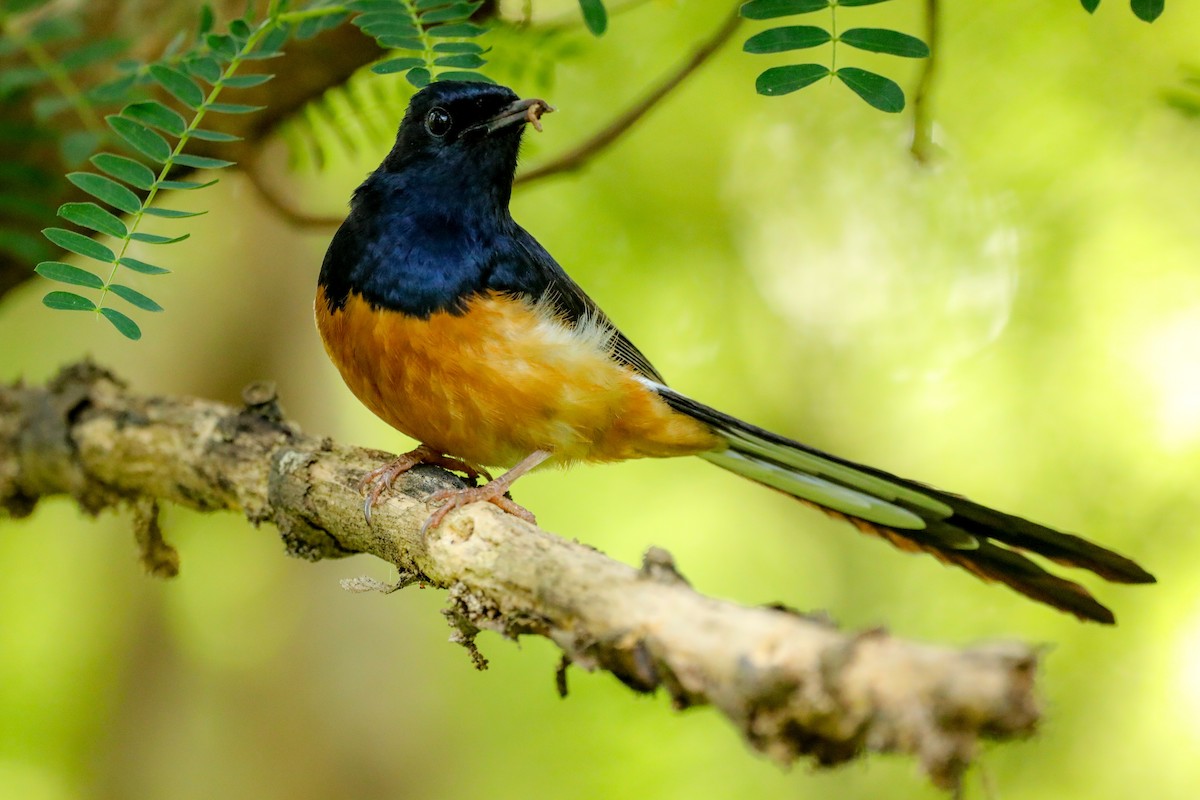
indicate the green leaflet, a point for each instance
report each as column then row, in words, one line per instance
column 132, row 172
column 1147, row 10
column 67, row 273
column 793, row 37
column 770, row 9
column 782, row 80
column 124, row 325
column 79, row 244
column 178, row 84
column 140, row 138
column 92, row 216
column 882, row 40
column 595, row 17
column 68, row 301
column 142, row 266
column 106, row 190
column 155, row 115
column 134, row 297
column 880, row 92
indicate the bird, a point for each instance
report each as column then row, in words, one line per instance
column 451, row 323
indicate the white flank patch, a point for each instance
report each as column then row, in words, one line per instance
column 590, row 330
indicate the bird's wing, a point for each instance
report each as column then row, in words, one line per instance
column 527, row 269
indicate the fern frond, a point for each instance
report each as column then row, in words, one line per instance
column 435, row 36
column 357, row 117
column 129, row 186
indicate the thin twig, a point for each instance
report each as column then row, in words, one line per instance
column 923, row 148
column 290, row 214
column 576, row 157
column 56, row 72
column 569, row 161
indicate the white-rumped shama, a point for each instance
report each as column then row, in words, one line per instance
column 452, row 324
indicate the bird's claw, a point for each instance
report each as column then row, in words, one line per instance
column 450, row 499
column 380, row 479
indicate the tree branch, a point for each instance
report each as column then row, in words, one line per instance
column 296, row 217
column 791, row 684
column 923, row 148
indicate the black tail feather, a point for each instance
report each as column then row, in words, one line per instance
column 991, row 562
column 958, row 531
column 1063, row 548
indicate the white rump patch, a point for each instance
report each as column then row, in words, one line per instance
column 590, row 330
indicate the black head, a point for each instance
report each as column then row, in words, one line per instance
column 465, row 129
column 431, row 224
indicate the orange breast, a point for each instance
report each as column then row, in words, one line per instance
column 500, row 380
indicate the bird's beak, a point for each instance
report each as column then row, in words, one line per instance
column 518, row 113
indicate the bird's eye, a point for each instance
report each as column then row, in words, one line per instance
column 438, row 122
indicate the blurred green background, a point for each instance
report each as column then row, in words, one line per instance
column 1020, row 323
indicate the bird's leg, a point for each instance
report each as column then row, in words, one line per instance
column 377, row 481
column 491, row 492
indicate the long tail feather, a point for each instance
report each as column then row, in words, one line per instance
column 915, row 517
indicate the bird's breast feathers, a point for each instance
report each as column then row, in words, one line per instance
column 500, row 378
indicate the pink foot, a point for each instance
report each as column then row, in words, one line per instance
column 457, row 498
column 379, row 480
column 491, row 492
